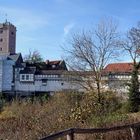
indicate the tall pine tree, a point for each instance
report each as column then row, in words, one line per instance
column 132, row 47
column 134, row 94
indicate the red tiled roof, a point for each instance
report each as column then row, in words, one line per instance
column 53, row 62
column 119, row 67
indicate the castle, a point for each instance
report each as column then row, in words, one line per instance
column 19, row 77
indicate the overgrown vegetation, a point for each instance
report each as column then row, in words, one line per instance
column 132, row 46
column 27, row 119
column 134, row 90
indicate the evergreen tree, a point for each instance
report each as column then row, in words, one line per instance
column 132, row 47
column 134, row 89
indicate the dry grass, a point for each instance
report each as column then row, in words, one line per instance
column 31, row 121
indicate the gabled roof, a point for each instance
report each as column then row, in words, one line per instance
column 28, row 71
column 50, row 72
column 53, row 62
column 48, row 65
column 17, row 58
column 119, row 67
column 14, row 57
column 56, row 65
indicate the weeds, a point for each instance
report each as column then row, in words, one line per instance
column 24, row 119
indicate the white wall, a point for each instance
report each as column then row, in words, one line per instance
column 7, row 75
column 1, row 73
column 50, row 86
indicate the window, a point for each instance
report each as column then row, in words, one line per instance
column 0, row 49
column 23, row 77
column 1, row 31
column 12, row 33
column 1, row 40
column 44, row 82
column 27, row 77
column 62, row 84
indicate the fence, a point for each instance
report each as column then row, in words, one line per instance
column 69, row 133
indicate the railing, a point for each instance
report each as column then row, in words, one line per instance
column 134, row 129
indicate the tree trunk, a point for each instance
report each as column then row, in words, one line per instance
column 98, row 91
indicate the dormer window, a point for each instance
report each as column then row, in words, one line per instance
column 23, row 77
column 26, row 77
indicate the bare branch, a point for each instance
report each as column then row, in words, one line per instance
column 92, row 50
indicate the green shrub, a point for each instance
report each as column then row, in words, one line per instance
column 33, row 120
column 2, row 101
column 89, row 106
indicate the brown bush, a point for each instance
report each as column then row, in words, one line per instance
column 24, row 120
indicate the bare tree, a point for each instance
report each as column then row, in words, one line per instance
column 91, row 50
column 33, row 57
column 131, row 44
column 132, row 47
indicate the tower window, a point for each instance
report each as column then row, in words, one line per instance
column 1, row 40
column 1, row 31
column 12, row 33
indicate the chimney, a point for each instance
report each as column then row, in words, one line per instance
column 47, row 61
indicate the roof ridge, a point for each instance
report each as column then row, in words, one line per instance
column 121, row 63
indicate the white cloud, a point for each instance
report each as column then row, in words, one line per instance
column 25, row 19
column 68, row 28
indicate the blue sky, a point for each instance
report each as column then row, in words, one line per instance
column 44, row 25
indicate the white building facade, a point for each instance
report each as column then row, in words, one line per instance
column 19, row 77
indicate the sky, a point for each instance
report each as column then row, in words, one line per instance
column 44, row 25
